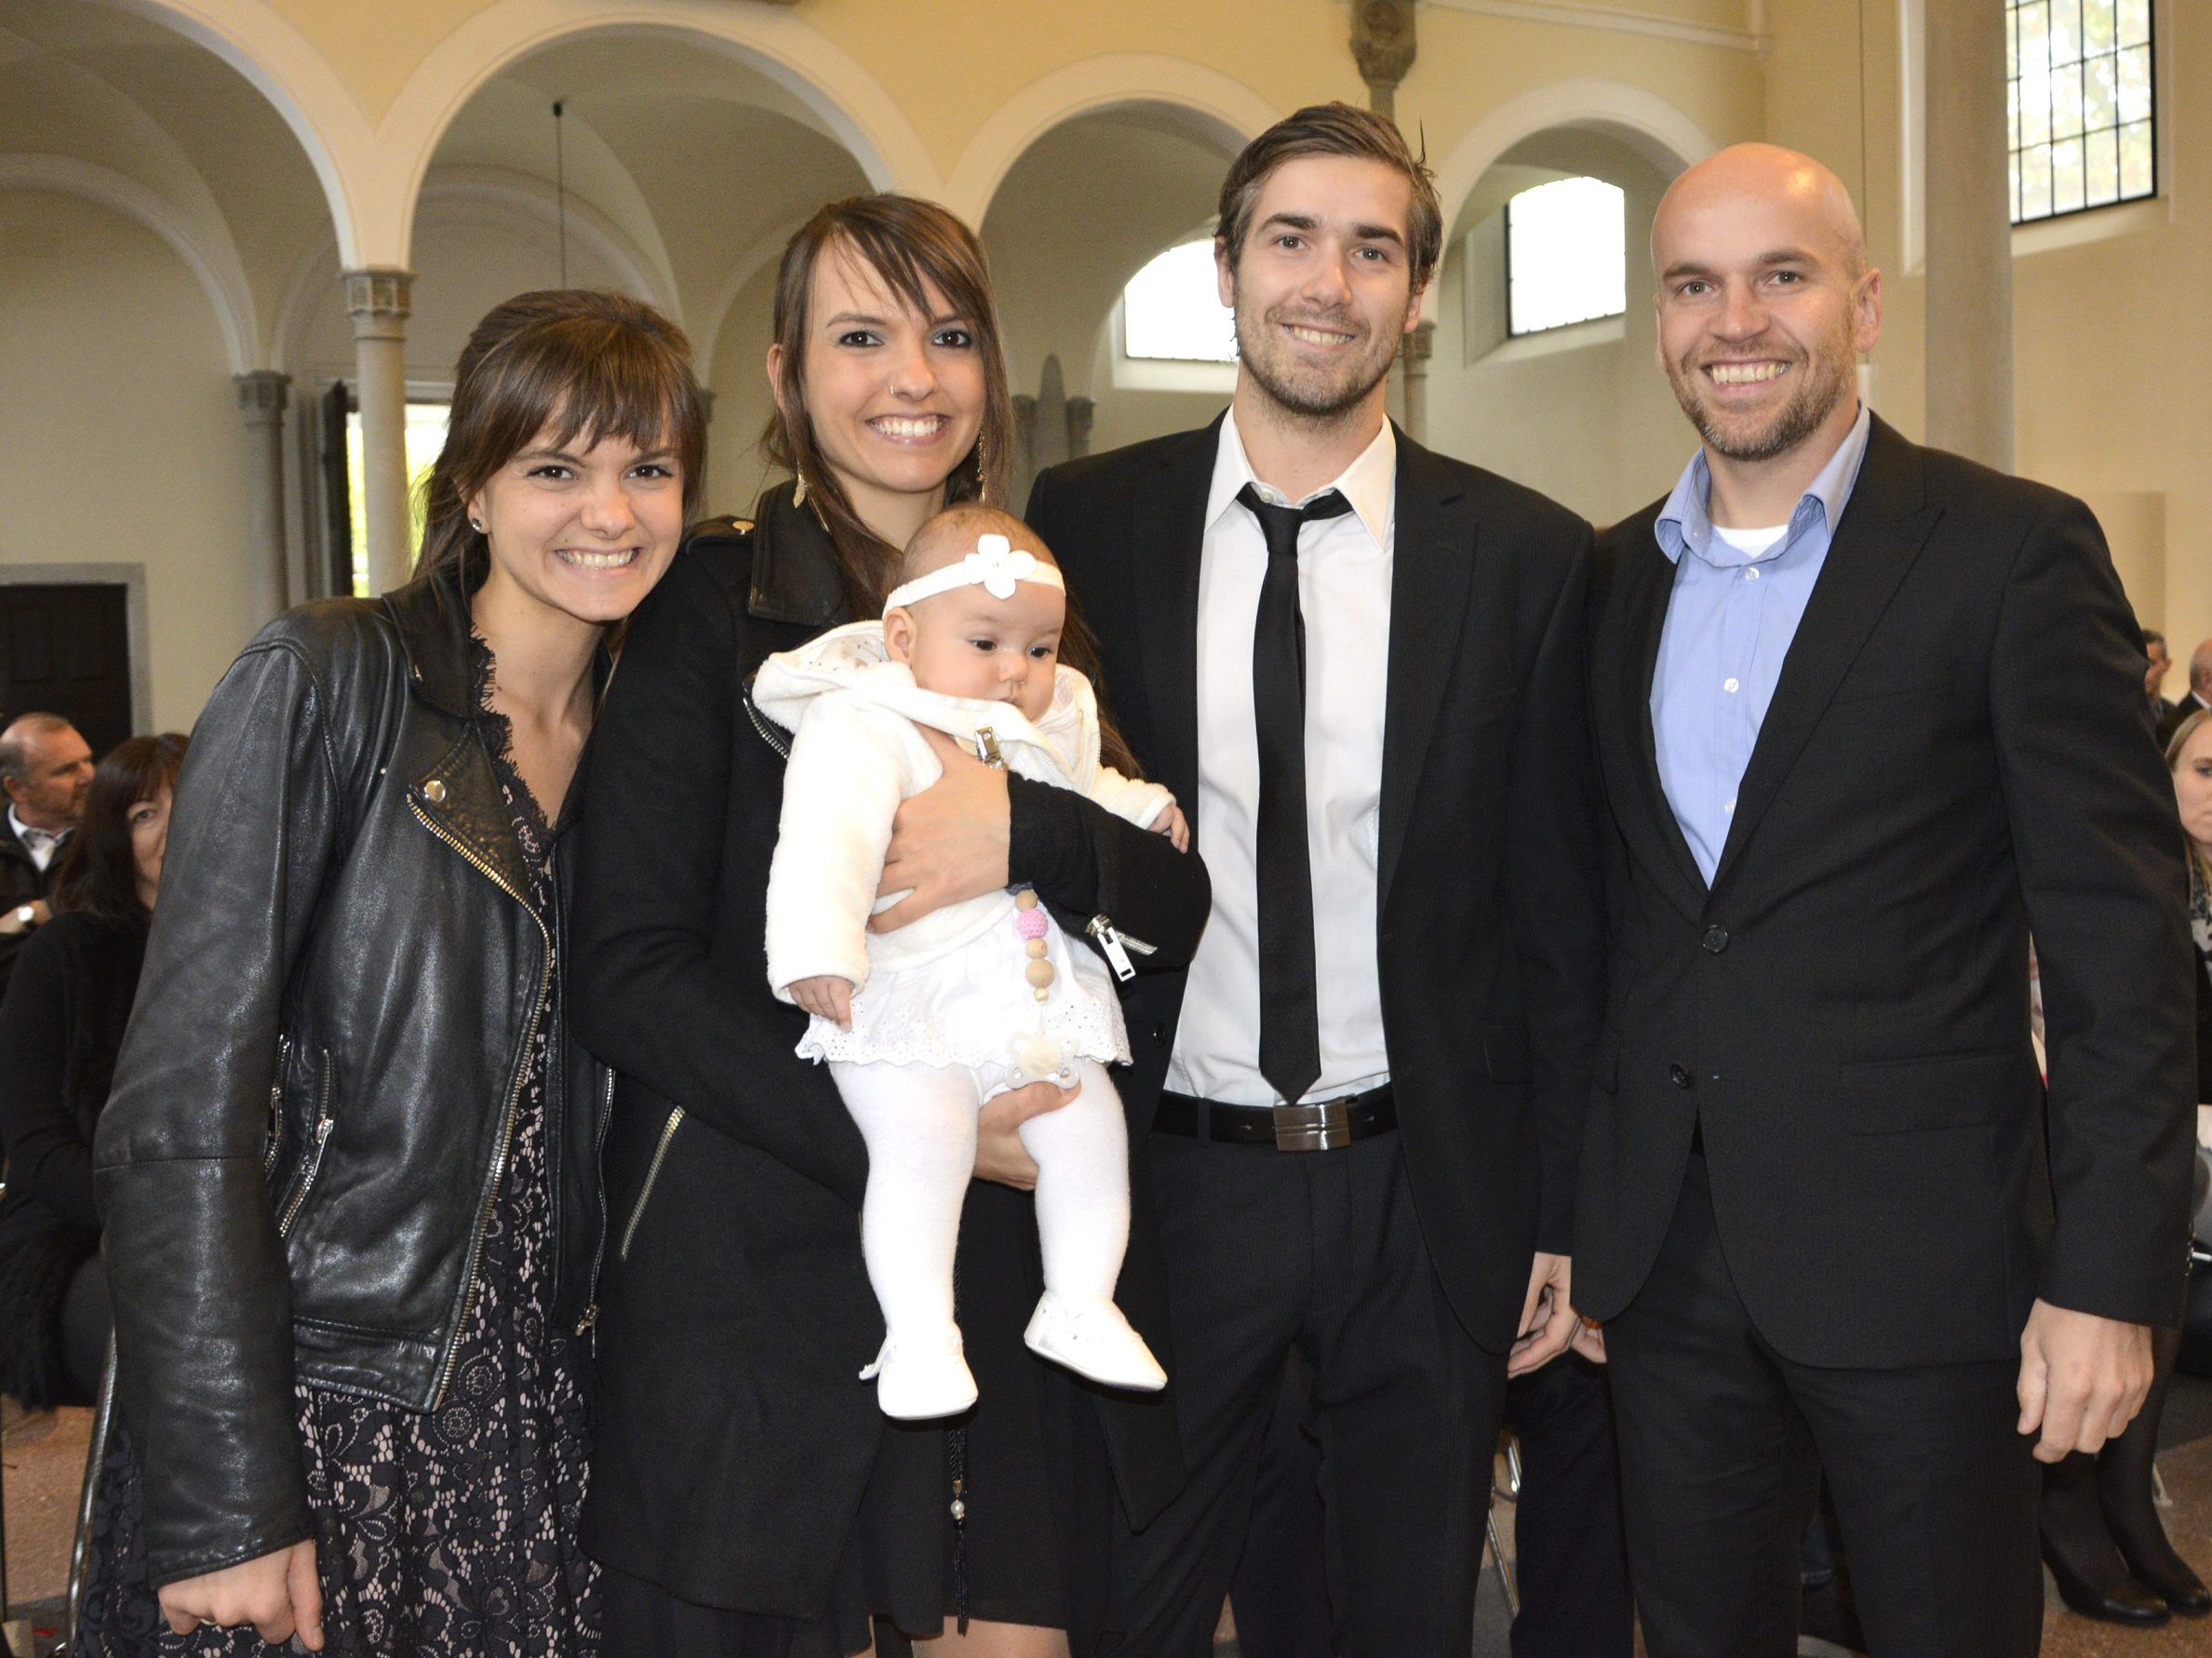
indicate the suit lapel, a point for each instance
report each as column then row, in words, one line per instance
column 1885, row 524
column 1168, row 524
column 1432, row 560
column 1646, row 578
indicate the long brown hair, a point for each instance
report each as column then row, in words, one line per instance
column 99, row 873
column 911, row 246
column 600, row 363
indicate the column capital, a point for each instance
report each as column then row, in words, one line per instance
column 378, row 300
column 261, row 396
column 1385, row 43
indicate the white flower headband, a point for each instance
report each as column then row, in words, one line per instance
column 995, row 565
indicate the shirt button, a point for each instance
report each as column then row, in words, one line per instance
column 1680, row 1076
column 1728, row 685
column 1751, row 573
column 1730, row 809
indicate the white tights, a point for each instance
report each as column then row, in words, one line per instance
column 919, row 1123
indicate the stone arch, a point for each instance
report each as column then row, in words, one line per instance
column 301, row 85
column 852, row 104
column 214, row 263
column 1215, row 107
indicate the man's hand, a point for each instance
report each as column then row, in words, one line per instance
column 12, row 922
column 277, row 1594
column 826, row 995
column 2082, row 1379
column 1548, row 1322
column 1000, row 1153
column 949, row 842
column 1174, row 825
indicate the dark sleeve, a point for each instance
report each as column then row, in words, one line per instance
column 1085, row 862
column 2099, row 851
column 1555, row 886
column 648, row 995
column 196, row 1271
column 47, row 1154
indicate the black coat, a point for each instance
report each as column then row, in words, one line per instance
column 1955, row 755
column 313, row 1107
column 60, row 1027
column 21, row 881
column 1488, row 927
column 733, row 1443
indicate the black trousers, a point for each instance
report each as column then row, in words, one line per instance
column 1269, row 1251
column 1722, row 1443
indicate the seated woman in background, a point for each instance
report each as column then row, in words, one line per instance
column 60, row 1027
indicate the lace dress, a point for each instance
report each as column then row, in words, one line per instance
column 445, row 1534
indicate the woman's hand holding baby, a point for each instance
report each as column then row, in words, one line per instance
column 949, row 842
column 826, row 996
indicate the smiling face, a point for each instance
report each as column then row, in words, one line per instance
column 1321, row 288
column 895, row 398
column 2192, row 786
column 582, row 533
column 1764, row 300
column 965, row 643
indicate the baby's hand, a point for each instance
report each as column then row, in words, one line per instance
column 1174, row 825
column 826, row 996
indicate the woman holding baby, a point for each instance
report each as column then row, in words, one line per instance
column 749, row 1496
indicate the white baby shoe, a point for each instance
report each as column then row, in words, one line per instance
column 1094, row 1340
column 918, row 1379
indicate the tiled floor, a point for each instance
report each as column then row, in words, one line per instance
column 45, row 1458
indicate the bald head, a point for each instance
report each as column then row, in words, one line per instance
column 1782, row 188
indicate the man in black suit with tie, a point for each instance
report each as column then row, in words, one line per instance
column 1866, row 714
column 1358, row 665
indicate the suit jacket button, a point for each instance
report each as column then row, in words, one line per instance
column 1681, row 1076
column 1159, row 1036
column 1716, row 940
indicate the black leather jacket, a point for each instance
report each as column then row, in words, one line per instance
column 314, row 1103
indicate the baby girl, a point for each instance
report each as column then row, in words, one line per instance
column 922, row 1024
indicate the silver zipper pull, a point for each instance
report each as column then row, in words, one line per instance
column 1117, row 946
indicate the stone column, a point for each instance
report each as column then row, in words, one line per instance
column 1969, row 235
column 1413, row 352
column 377, row 299
column 260, row 400
column 1384, row 47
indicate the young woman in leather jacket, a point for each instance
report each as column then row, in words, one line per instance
column 349, row 1170
column 748, row 1499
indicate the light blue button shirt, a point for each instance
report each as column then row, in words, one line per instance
column 1729, row 624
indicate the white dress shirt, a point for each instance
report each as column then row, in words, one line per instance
column 1343, row 593
column 39, row 843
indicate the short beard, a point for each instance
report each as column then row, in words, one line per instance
column 1317, row 404
column 1828, row 378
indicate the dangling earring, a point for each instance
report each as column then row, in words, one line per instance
column 983, row 476
column 799, row 494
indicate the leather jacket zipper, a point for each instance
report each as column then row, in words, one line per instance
column 324, row 1123
column 507, row 1126
column 652, row 1173
column 760, row 725
column 284, row 1055
column 590, row 1293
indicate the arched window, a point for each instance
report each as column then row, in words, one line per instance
column 1565, row 255
column 2081, row 96
column 1171, row 309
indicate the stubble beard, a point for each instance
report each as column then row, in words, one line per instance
column 1828, row 378
column 1317, row 399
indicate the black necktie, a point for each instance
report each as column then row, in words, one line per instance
column 1289, row 1021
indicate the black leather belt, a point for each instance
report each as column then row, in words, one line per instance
column 1322, row 1125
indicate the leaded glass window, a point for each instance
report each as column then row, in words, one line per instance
column 2081, row 104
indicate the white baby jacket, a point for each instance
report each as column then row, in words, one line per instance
column 855, row 754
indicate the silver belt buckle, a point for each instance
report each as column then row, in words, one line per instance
column 1321, row 1127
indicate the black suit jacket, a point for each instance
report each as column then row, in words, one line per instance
column 21, row 882
column 1955, row 755
column 1489, row 922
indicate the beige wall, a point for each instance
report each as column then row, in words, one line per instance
column 119, row 432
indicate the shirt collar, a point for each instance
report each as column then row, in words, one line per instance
column 1370, row 483
column 28, row 835
column 1684, row 521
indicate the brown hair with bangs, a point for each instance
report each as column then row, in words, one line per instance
column 910, row 246
column 589, row 363
column 99, row 871
column 1334, row 130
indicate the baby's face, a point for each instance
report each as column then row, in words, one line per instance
column 967, row 644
